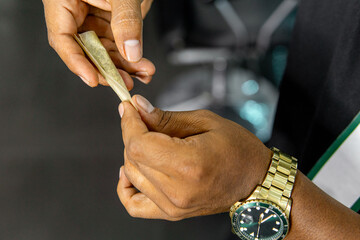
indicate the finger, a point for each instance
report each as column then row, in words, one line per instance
column 102, row 80
column 126, row 24
column 125, row 183
column 143, row 79
column 139, row 205
column 136, row 203
column 158, row 182
column 144, row 185
column 127, row 79
column 144, row 66
column 138, row 181
column 174, row 124
column 106, row 15
column 125, row 76
column 150, row 181
column 99, row 8
column 142, row 70
column 102, row 4
column 149, row 148
column 145, row 7
column 99, row 25
column 62, row 21
column 136, row 135
column 74, row 58
column 131, row 124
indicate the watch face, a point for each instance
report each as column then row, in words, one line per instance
column 259, row 221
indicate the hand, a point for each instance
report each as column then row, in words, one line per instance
column 64, row 18
column 186, row 164
column 126, row 24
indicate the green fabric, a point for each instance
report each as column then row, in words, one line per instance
column 356, row 206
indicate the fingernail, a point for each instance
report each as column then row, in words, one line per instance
column 121, row 109
column 144, row 104
column 142, row 74
column 142, row 79
column 133, row 50
column 85, row 80
column 120, row 173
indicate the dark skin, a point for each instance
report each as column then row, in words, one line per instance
column 314, row 213
column 185, row 164
column 188, row 164
column 115, row 22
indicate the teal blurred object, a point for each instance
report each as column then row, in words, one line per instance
column 273, row 63
column 254, row 99
column 236, row 76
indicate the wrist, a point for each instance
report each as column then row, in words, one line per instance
column 270, row 199
column 257, row 171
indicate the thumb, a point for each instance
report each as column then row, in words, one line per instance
column 126, row 25
column 174, row 124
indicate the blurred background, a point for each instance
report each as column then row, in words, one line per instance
column 60, row 141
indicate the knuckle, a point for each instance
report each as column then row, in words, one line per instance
column 126, row 166
column 133, row 149
column 205, row 113
column 187, row 198
column 198, row 174
column 127, row 122
column 208, row 118
column 180, row 201
column 164, row 119
column 193, row 172
column 173, row 212
column 118, row 191
column 132, row 211
column 126, row 22
column 126, row 17
column 51, row 41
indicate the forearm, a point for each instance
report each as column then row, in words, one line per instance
column 315, row 215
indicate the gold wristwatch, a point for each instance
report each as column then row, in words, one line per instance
column 265, row 214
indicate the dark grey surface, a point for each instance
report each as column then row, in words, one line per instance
column 61, row 145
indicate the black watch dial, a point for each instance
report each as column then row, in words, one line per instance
column 260, row 221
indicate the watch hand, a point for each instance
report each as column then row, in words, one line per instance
column 262, row 221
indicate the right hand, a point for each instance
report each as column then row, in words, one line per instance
column 114, row 23
column 185, row 164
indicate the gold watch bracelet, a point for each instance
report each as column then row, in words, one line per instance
column 278, row 183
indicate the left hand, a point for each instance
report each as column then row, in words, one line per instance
column 64, row 18
column 126, row 24
column 185, row 164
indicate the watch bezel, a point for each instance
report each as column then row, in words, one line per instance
column 259, row 202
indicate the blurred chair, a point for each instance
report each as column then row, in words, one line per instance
column 238, row 52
